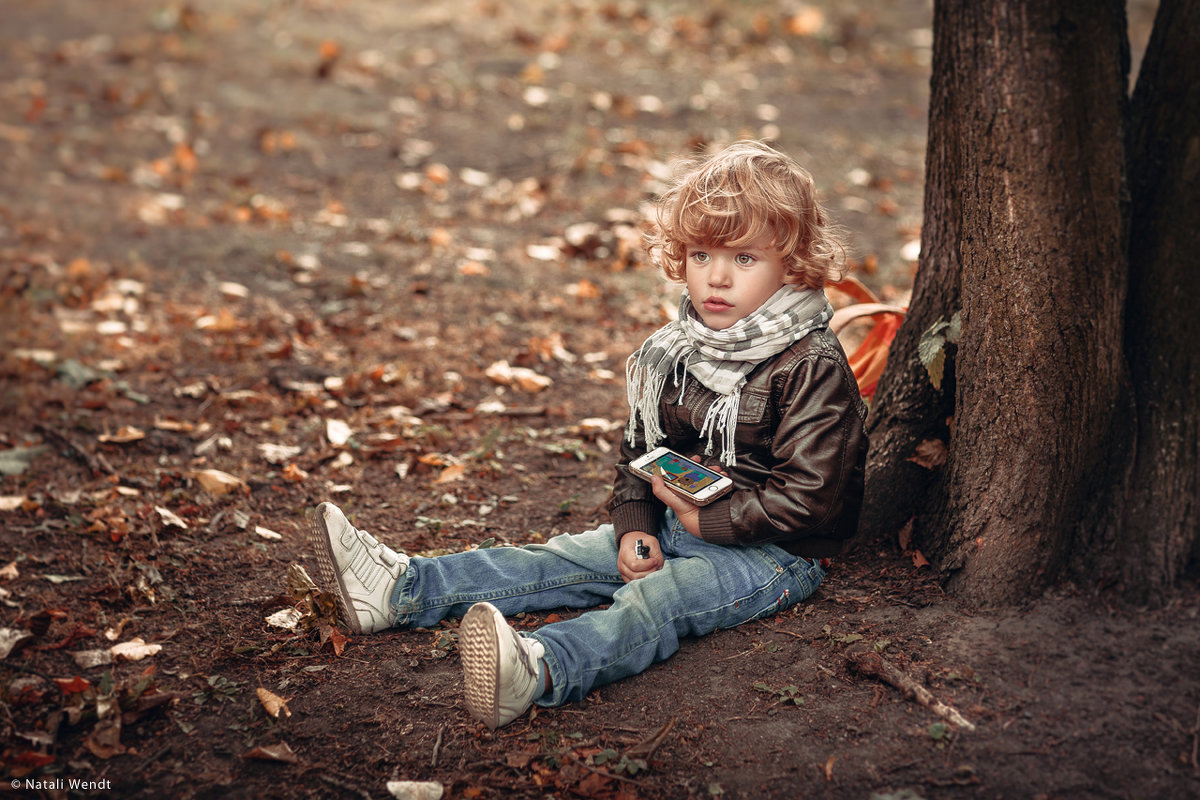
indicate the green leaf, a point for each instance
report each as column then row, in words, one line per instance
column 939, row 731
column 931, row 349
column 955, row 330
column 932, row 341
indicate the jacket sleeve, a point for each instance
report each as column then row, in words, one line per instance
column 817, row 451
column 633, row 506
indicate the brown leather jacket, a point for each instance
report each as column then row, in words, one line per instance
column 798, row 480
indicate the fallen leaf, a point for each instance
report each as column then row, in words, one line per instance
column 503, row 373
column 286, row 618
column 9, row 572
column 11, row 638
column 807, row 21
column 73, row 685
column 919, row 560
column 267, row 533
column 170, row 519
column 415, row 790
column 829, row 768
column 134, row 650
column 273, row 703
column 219, row 483
column 11, row 502
column 105, row 739
column 473, row 268
column 337, row 432
column 278, row 453
column 294, row 474
column 930, row 454
column 274, row 752
column 454, row 472
column 177, row 426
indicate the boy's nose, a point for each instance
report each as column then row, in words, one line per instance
column 719, row 274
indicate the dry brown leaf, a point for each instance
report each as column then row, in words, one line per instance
column 105, row 739
column 930, row 454
column 220, row 483
column 473, row 268
column 274, row 752
column 294, row 474
column 454, row 472
column 169, row 518
column 177, row 426
column 808, row 21
column 134, row 650
column 124, row 435
column 273, row 703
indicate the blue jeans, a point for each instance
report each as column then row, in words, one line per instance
column 701, row 587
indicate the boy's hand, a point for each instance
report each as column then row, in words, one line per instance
column 629, row 565
column 687, row 511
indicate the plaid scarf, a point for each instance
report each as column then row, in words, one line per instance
column 720, row 360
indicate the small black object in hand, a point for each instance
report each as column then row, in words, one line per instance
column 642, row 551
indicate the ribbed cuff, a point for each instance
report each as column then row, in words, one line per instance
column 636, row 515
column 716, row 523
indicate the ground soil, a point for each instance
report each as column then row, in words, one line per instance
column 229, row 229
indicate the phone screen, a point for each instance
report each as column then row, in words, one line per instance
column 685, row 474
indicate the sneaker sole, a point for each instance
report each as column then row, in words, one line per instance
column 479, row 649
column 318, row 536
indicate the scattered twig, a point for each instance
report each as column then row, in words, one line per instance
column 757, row 646
column 95, row 461
column 645, row 749
column 437, row 745
column 876, row 666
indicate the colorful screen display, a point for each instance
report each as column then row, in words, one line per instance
column 685, row 473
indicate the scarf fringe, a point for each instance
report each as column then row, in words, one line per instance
column 718, row 359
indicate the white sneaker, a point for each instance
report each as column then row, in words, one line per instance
column 500, row 668
column 362, row 571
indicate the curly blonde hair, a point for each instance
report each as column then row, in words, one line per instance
column 734, row 196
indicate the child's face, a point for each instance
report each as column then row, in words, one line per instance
column 728, row 284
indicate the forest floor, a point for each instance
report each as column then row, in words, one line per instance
column 256, row 256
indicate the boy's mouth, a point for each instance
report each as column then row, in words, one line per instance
column 716, row 305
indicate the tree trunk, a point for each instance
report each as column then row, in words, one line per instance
column 1025, row 226
column 1163, row 329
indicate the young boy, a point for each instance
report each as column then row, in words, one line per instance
column 750, row 380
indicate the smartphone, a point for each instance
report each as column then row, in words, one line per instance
column 696, row 482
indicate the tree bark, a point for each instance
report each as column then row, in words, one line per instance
column 1162, row 515
column 907, row 408
column 1025, row 216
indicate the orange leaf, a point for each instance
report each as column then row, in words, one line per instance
column 856, row 289
column 74, row 685
column 919, row 560
column 454, row 472
column 869, row 359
